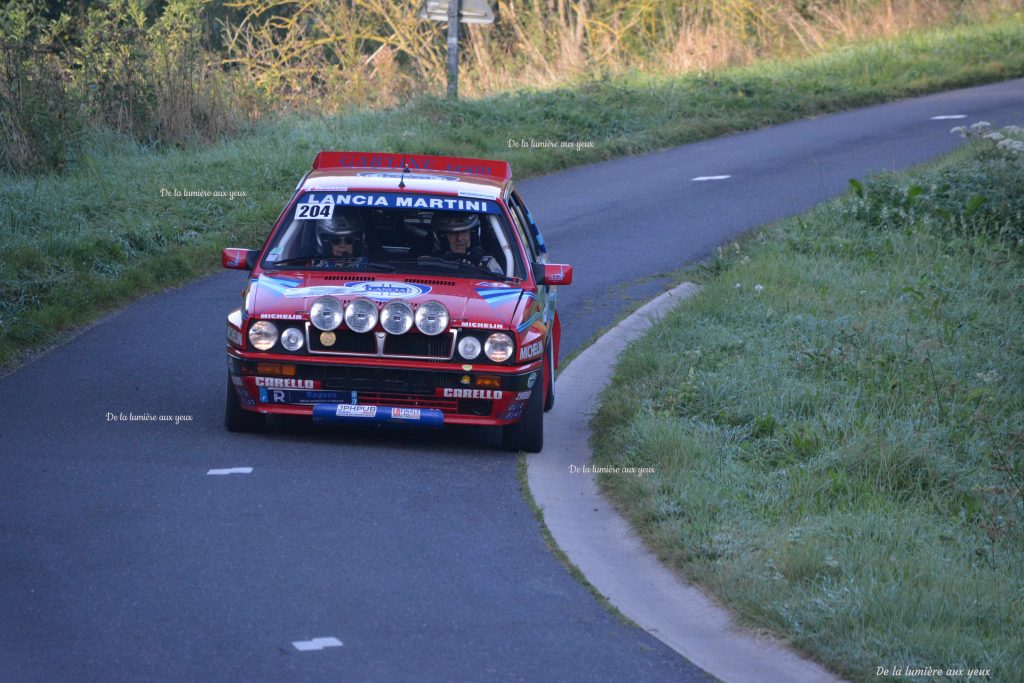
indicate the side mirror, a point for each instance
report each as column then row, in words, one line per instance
column 239, row 259
column 552, row 273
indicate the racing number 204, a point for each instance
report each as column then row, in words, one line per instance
column 306, row 211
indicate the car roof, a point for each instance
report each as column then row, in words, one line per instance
column 383, row 172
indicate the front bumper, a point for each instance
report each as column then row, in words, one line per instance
column 422, row 393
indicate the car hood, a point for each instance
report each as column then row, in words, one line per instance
column 472, row 303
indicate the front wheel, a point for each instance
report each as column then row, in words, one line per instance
column 527, row 434
column 238, row 420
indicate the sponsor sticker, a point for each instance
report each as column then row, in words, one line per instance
column 531, row 380
column 411, row 176
column 280, row 316
column 283, row 383
column 234, row 335
column 311, row 210
column 394, row 201
column 514, row 412
column 482, row 326
column 346, row 410
column 449, row 392
column 405, row 413
column 531, row 350
column 378, row 291
column 523, row 395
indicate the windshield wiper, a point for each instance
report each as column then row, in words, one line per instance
column 437, row 261
column 377, row 265
column 292, row 261
column 490, row 273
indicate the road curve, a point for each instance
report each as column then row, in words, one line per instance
column 368, row 555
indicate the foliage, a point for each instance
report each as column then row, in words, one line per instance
column 180, row 71
column 113, row 67
column 981, row 195
column 836, row 423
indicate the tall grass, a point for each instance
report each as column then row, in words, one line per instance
column 837, row 424
column 375, row 52
column 185, row 71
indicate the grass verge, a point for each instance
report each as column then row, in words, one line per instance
column 836, row 424
column 123, row 223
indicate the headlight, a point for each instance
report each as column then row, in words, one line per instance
column 432, row 318
column 469, row 347
column 361, row 315
column 396, row 317
column 263, row 335
column 498, row 347
column 326, row 313
column 291, row 339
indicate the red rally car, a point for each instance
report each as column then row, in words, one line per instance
column 398, row 288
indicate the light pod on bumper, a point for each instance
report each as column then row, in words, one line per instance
column 469, row 347
column 396, row 317
column 432, row 318
column 326, row 313
column 291, row 339
column 263, row 335
column 498, row 347
column 361, row 315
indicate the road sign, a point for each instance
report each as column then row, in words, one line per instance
column 472, row 12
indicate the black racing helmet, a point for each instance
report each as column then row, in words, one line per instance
column 337, row 228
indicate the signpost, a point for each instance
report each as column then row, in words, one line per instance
column 455, row 12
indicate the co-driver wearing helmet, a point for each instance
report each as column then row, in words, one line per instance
column 340, row 239
column 455, row 231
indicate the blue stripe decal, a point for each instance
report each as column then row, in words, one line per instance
column 498, row 295
column 529, row 321
column 279, row 284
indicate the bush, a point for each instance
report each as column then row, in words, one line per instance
column 984, row 194
column 40, row 127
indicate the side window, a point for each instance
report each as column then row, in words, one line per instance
column 525, row 227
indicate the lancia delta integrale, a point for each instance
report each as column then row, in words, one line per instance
column 403, row 289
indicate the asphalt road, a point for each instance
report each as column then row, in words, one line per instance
column 121, row 558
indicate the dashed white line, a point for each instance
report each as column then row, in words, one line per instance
column 316, row 644
column 709, row 177
column 946, row 117
column 232, row 470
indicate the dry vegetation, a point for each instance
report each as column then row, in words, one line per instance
column 174, row 72
column 376, row 52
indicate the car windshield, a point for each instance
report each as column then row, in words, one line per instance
column 396, row 232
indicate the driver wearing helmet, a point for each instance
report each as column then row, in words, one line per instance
column 455, row 234
column 340, row 238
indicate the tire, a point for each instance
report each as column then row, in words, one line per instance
column 527, row 434
column 549, row 359
column 238, row 420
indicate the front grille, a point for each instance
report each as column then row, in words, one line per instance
column 409, row 345
column 383, row 379
column 347, row 341
column 438, row 346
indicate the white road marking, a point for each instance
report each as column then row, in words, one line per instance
column 946, row 117
column 232, row 470
column 709, row 177
column 316, row 644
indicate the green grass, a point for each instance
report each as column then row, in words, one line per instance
column 75, row 246
column 836, row 424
